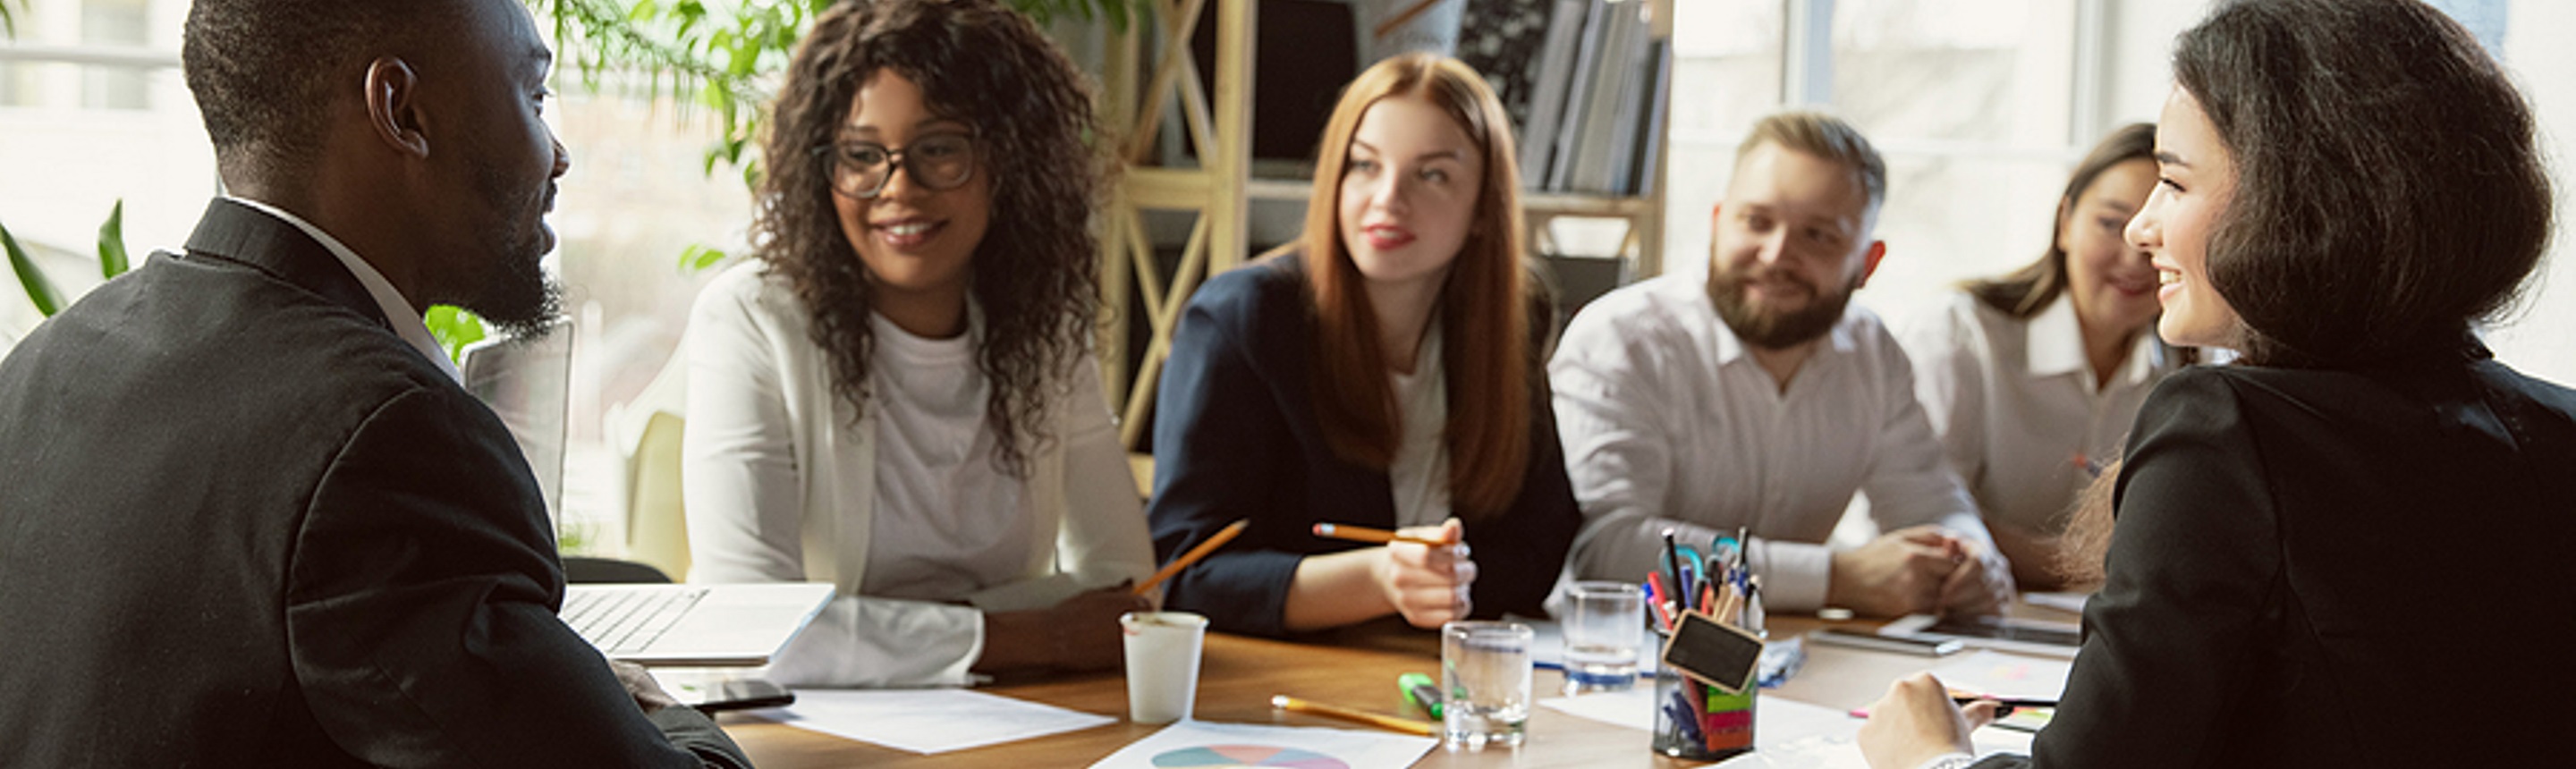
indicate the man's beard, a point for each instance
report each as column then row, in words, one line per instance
column 515, row 296
column 1776, row 329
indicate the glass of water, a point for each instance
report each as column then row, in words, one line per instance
column 1604, row 624
column 1485, row 672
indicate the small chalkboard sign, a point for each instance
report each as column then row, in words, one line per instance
column 1713, row 652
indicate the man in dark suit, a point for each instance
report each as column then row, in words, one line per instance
column 248, row 516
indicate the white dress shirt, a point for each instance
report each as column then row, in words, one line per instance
column 781, row 482
column 407, row 322
column 1670, row 425
column 2017, row 407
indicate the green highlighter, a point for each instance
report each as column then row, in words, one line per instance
column 1419, row 690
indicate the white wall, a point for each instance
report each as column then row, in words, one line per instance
column 2540, row 338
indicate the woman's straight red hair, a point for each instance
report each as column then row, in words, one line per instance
column 1484, row 304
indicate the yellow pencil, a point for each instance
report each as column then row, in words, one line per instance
column 1223, row 536
column 1352, row 533
column 1406, row 725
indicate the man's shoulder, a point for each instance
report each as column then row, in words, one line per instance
column 1860, row 330
column 1661, row 306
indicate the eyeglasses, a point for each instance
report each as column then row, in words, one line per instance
column 937, row 161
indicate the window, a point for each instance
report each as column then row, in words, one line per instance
column 114, row 24
column 1974, row 104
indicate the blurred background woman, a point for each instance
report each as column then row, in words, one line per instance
column 2032, row 378
column 2343, row 552
column 1383, row 372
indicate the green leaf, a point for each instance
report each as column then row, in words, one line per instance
column 39, row 290
column 111, row 242
column 454, row 328
column 697, row 258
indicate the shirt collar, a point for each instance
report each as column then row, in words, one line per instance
column 2054, row 345
column 405, row 321
column 2055, row 340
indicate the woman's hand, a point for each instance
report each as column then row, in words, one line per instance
column 1428, row 584
column 1916, row 723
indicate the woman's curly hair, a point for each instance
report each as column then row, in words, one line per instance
column 1034, row 274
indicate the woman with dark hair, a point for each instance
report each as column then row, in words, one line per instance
column 2349, row 549
column 898, row 397
column 2032, row 378
column 1382, row 372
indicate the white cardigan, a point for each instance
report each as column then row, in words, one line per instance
column 779, row 480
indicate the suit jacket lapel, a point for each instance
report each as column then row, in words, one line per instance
column 237, row 233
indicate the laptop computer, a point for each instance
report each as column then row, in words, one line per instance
column 527, row 382
column 693, row 625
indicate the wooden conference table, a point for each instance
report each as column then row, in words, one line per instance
column 1355, row 667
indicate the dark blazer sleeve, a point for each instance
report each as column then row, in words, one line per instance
column 1223, row 451
column 1520, row 554
column 2193, row 573
column 421, row 604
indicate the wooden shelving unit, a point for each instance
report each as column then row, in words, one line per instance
column 1217, row 113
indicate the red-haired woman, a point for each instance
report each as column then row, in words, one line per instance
column 1383, row 373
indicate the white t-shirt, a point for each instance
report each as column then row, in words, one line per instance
column 1420, row 473
column 948, row 523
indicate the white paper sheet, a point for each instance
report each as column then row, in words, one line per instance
column 1788, row 734
column 927, row 720
column 1997, row 674
column 1205, row 744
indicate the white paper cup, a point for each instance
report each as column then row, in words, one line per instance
column 1162, row 664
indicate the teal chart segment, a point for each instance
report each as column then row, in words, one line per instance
column 1247, row 755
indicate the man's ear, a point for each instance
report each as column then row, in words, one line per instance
column 393, row 106
column 1869, row 262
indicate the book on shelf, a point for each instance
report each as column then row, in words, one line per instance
column 1597, row 92
column 1578, row 94
column 1548, row 84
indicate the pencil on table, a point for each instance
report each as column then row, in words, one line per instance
column 1344, row 531
column 1223, row 536
column 1406, row 725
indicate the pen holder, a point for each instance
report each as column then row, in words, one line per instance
column 1698, row 722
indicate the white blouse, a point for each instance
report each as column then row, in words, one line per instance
column 781, row 482
column 1420, row 473
column 2020, row 416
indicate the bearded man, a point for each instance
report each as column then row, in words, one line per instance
column 1761, row 400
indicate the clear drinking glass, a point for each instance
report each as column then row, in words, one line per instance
column 1605, row 623
column 1485, row 672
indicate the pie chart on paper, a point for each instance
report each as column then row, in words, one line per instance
column 1247, row 755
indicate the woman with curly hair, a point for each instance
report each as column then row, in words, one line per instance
column 1383, row 373
column 898, row 396
column 2350, row 548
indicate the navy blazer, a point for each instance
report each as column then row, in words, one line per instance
column 1236, row 437
column 2334, row 569
column 244, row 524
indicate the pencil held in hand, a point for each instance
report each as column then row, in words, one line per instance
column 1223, row 536
column 1344, row 531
